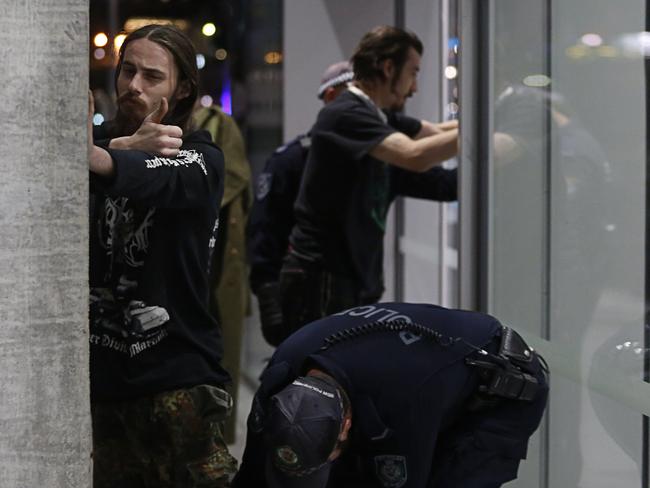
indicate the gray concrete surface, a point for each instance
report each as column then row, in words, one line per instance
column 44, row 405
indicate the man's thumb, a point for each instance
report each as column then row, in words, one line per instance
column 158, row 113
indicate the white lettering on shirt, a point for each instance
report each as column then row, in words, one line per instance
column 186, row 157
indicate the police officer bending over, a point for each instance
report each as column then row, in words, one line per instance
column 395, row 395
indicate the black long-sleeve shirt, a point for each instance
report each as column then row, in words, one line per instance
column 153, row 226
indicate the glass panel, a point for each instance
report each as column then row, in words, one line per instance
column 428, row 244
column 517, row 268
column 567, row 223
column 597, row 238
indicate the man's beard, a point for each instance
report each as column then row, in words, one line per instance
column 398, row 106
column 400, row 101
column 126, row 122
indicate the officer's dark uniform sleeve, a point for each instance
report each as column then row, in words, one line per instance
column 188, row 180
column 271, row 218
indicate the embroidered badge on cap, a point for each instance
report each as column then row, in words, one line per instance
column 391, row 471
column 286, row 458
column 263, row 185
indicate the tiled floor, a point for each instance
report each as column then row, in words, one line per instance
column 243, row 408
column 254, row 357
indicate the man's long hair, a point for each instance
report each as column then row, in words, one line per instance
column 380, row 44
column 182, row 49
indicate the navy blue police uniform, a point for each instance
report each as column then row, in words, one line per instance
column 424, row 410
column 269, row 226
column 271, row 217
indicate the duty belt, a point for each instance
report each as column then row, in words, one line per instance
column 510, row 372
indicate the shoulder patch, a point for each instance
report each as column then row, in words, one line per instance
column 264, row 181
column 391, row 470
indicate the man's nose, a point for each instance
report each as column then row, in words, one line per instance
column 135, row 85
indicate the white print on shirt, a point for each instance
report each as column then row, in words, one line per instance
column 213, row 238
column 186, row 157
column 384, row 315
column 118, row 217
column 127, row 329
column 133, row 349
column 212, row 243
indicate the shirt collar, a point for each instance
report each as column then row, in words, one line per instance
column 368, row 101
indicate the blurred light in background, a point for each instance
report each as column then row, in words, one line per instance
column 99, row 53
column 537, row 81
column 634, row 44
column 221, row 54
column 273, row 57
column 577, row 52
column 206, row 101
column 100, row 40
column 98, row 119
column 592, row 40
column 200, row 61
column 226, row 97
column 209, row 29
column 135, row 23
column 607, row 51
column 451, row 72
column 118, row 41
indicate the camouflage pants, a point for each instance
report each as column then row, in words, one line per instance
column 172, row 439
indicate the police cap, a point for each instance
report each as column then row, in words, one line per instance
column 301, row 429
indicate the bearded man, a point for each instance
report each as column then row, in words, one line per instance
column 157, row 396
column 363, row 154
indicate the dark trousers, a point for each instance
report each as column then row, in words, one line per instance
column 308, row 292
column 484, row 448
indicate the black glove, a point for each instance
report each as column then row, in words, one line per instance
column 268, row 297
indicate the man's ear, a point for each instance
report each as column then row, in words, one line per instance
column 329, row 95
column 183, row 90
column 388, row 68
column 345, row 429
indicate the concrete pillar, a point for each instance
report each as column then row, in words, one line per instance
column 44, row 389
